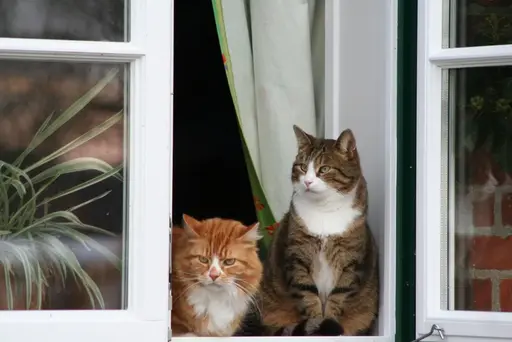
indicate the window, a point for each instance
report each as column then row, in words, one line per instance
column 353, row 61
column 85, row 121
column 463, row 162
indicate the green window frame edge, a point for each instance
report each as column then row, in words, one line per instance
column 406, row 171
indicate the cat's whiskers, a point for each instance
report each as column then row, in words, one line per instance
column 186, row 290
column 250, row 296
column 254, row 288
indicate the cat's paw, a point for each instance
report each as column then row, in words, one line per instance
column 328, row 327
column 312, row 327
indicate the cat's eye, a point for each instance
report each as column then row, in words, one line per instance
column 203, row 260
column 303, row 167
column 325, row 169
column 229, row 262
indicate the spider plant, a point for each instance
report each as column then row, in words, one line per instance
column 33, row 254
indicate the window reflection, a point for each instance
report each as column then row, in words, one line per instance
column 62, row 187
column 69, row 19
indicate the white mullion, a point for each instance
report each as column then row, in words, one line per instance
column 433, row 34
column 148, row 248
column 137, row 25
column 470, row 57
column 68, row 50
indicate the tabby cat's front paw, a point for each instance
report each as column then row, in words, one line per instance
column 329, row 327
column 311, row 308
column 312, row 327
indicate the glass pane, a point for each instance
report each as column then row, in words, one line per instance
column 97, row 20
column 479, row 22
column 62, row 187
column 479, row 188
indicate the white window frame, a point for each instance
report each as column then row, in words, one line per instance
column 149, row 53
column 433, row 60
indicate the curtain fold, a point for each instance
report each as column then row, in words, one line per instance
column 273, row 56
column 263, row 212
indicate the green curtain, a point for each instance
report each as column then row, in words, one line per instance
column 263, row 211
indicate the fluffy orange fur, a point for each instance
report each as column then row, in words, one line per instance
column 198, row 307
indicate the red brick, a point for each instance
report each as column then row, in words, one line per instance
column 483, row 213
column 481, row 294
column 506, row 295
column 491, row 252
column 506, row 209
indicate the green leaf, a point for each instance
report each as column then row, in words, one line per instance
column 28, row 270
column 84, row 240
column 73, row 265
column 85, row 184
column 94, row 199
column 39, row 223
column 34, row 141
column 28, row 210
column 75, row 165
column 40, row 274
column 94, row 132
column 14, row 179
column 6, row 263
column 69, row 113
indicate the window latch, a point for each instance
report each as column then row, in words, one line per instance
column 434, row 329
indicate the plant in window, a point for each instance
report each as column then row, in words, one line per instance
column 33, row 249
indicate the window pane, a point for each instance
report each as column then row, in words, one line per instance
column 62, row 187
column 479, row 188
column 479, row 22
column 97, row 20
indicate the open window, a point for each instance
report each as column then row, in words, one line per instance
column 464, row 135
column 214, row 91
column 85, row 116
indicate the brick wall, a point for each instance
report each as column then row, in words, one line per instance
column 488, row 247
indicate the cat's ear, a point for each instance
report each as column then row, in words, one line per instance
column 189, row 223
column 346, row 142
column 253, row 233
column 303, row 139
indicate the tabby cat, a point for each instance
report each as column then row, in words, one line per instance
column 216, row 273
column 322, row 263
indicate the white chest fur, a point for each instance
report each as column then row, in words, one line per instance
column 323, row 276
column 220, row 305
column 330, row 215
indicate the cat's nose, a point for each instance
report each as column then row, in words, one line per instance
column 214, row 274
column 308, row 183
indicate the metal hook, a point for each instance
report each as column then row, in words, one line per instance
column 435, row 328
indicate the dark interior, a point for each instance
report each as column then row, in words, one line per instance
column 209, row 175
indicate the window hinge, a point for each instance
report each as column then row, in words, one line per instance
column 434, row 329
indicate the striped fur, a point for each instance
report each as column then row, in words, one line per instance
column 322, row 265
column 216, row 273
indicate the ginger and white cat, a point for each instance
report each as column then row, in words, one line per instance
column 215, row 275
